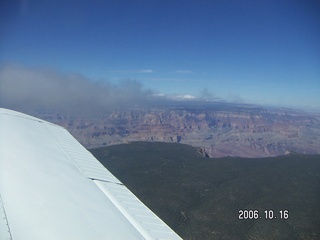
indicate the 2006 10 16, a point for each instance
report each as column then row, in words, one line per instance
column 268, row 214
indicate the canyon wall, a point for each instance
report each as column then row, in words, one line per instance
column 243, row 131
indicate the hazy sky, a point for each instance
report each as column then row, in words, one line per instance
column 265, row 52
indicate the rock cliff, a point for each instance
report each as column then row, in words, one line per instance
column 218, row 131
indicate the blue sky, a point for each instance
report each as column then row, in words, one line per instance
column 264, row 52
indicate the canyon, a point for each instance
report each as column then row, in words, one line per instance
column 216, row 129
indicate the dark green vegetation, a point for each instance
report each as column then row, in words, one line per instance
column 200, row 198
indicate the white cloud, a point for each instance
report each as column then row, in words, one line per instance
column 145, row 71
column 132, row 71
column 184, row 71
column 181, row 97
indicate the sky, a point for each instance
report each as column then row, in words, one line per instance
column 257, row 52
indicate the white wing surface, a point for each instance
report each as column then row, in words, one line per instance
column 51, row 187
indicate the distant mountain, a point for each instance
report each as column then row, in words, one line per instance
column 217, row 129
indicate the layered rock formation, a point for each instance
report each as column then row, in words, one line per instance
column 218, row 130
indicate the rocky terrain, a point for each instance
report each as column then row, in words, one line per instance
column 216, row 129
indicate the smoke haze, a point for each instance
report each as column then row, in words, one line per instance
column 30, row 89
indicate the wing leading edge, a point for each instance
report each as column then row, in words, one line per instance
column 51, row 187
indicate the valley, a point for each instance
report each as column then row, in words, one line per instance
column 217, row 129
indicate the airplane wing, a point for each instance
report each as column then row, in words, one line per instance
column 51, row 187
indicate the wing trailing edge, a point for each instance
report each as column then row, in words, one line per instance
column 51, row 187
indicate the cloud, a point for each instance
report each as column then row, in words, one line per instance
column 181, row 97
column 184, row 71
column 24, row 88
column 145, row 71
column 165, row 79
column 133, row 71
